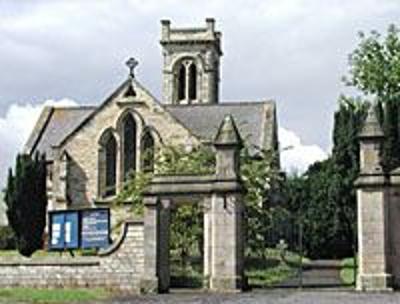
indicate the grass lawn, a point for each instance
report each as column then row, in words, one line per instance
column 31, row 295
column 347, row 271
column 261, row 272
column 265, row 272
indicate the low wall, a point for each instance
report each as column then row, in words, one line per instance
column 119, row 268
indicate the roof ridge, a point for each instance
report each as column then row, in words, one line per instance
column 78, row 107
column 229, row 103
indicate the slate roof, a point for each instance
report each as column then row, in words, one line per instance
column 255, row 121
column 54, row 124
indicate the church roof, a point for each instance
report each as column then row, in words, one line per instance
column 255, row 120
column 54, row 124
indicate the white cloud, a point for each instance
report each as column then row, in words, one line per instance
column 15, row 128
column 296, row 156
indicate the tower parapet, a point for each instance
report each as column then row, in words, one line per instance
column 191, row 63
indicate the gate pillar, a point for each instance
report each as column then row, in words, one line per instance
column 156, row 276
column 372, row 211
column 226, row 214
column 226, row 260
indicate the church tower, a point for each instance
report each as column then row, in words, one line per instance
column 191, row 64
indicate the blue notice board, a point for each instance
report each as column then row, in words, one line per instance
column 95, row 228
column 64, row 230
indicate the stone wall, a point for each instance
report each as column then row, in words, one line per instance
column 119, row 268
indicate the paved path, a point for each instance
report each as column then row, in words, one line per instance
column 318, row 274
column 268, row 297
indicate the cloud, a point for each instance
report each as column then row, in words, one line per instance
column 296, row 156
column 15, row 128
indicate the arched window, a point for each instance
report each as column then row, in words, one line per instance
column 181, row 82
column 192, row 81
column 110, row 149
column 129, row 145
column 147, row 152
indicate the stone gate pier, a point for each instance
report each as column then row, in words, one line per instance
column 378, row 212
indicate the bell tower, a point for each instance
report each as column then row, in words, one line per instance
column 191, row 63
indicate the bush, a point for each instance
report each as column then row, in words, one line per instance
column 7, row 238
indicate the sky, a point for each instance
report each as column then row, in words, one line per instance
column 292, row 51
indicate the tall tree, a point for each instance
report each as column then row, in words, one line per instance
column 26, row 201
column 375, row 71
column 325, row 193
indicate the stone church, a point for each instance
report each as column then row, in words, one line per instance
column 91, row 149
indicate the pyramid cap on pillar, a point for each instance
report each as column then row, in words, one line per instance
column 228, row 133
column 372, row 127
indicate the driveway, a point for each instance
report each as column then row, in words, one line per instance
column 268, row 297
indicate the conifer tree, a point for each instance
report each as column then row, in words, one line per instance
column 26, row 201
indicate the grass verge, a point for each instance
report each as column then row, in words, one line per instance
column 32, row 295
column 347, row 272
column 271, row 270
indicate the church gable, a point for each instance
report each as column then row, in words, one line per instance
column 113, row 136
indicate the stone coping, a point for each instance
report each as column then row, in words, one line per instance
column 205, row 188
column 78, row 262
column 371, row 180
column 117, row 244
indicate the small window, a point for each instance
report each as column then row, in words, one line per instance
column 192, row 82
column 111, row 166
column 129, row 142
column 181, row 82
column 147, row 152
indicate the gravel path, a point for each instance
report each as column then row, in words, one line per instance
column 269, row 297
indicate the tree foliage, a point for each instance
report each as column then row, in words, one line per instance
column 324, row 197
column 26, row 200
column 375, row 71
column 375, row 64
column 261, row 179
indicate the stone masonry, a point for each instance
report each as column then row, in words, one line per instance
column 378, row 212
column 119, row 268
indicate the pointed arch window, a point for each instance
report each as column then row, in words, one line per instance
column 148, row 152
column 192, row 82
column 129, row 145
column 107, row 164
column 181, row 82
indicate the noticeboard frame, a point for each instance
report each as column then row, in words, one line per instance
column 79, row 213
column 108, row 225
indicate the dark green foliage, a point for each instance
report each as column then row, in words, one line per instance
column 186, row 233
column 180, row 161
column 324, row 197
column 260, row 178
column 391, row 145
column 26, row 200
column 327, row 198
column 7, row 238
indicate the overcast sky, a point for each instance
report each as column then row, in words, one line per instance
column 294, row 52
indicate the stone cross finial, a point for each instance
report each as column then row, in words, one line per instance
column 132, row 63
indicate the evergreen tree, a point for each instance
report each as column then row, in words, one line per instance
column 325, row 193
column 26, row 200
